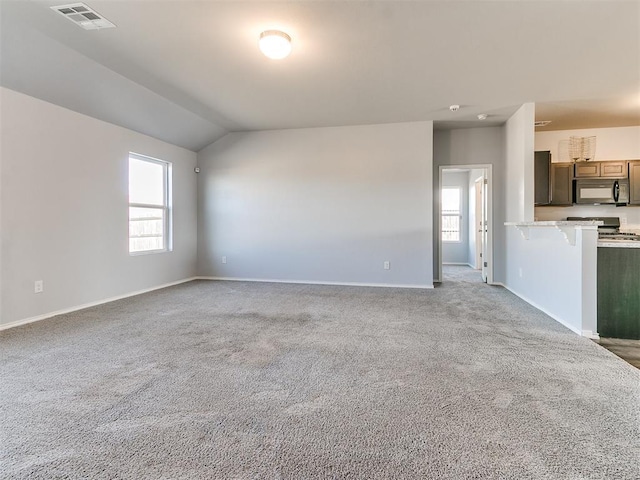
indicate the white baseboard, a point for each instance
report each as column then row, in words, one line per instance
column 91, row 304
column 311, row 282
column 555, row 317
column 455, row 263
column 590, row 334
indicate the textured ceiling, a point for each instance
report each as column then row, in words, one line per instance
column 189, row 71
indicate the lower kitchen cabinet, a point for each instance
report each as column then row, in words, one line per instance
column 619, row 292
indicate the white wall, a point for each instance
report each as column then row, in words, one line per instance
column 611, row 144
column 519, row 147
column 519, row 144
column 474, row 146
column 64, row 210
column 620, row 143
column 457, row 252
column 319, row 205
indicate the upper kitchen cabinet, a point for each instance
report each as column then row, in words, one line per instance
column 587, row 169
column 561, row 184
column 617, row 169
column 542, row 172
column 553, row 181
column 613, row 169
column 634, row 182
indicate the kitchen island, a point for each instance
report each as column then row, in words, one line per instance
column 619, row 289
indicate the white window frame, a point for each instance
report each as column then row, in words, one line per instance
column 458, row 214
column 166, row 207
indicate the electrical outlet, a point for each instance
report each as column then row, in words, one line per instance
column 387, row 265
column 224, row 259
column 38, row 286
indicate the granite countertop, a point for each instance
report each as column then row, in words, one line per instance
column 619, row 243
column 556, row 223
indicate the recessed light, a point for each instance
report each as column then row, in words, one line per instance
column 482, row 116
column 275, row 44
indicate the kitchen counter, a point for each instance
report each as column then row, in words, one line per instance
column 567, row 227
column 555, row 223
column 618, row 244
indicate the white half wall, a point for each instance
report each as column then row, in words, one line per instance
column 319, row 205
column 554, row 276
column 64, row 210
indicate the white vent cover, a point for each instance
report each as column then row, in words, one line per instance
column 82, row 15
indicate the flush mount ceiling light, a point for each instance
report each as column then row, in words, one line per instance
column 275, row 44
column 482, row 116
column 454, row 108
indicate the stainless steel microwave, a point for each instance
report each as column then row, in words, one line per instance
column 602, row 191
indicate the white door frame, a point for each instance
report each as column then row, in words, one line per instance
column 489, row 169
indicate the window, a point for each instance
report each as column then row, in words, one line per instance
column 451, row 214
column 149, row 205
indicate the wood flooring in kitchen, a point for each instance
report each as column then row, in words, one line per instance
column 628, row 350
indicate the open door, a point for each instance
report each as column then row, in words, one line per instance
column 485, row 229
column 478, row 228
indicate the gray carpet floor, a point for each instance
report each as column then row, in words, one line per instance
column 236, row 380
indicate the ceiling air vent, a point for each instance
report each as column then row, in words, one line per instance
column 83, row 15
column 542, row 123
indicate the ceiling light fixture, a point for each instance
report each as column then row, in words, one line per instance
column 454, row 108
column 482, row 116
column 542, row 123
column 275, row 44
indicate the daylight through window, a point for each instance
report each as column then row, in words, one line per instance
column 149, row 205
column 451, row 214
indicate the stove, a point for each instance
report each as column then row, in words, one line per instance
column 610, row 229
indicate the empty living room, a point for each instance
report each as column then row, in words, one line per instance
column 305, row 240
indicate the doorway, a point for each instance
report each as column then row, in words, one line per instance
column 465, row 219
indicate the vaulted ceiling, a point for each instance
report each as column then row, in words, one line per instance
column 189, row 71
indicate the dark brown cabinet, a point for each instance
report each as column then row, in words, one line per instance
column 561, row 184
column 542, row 176
column 552, row 181
column 634, row 182
column 619, row 292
